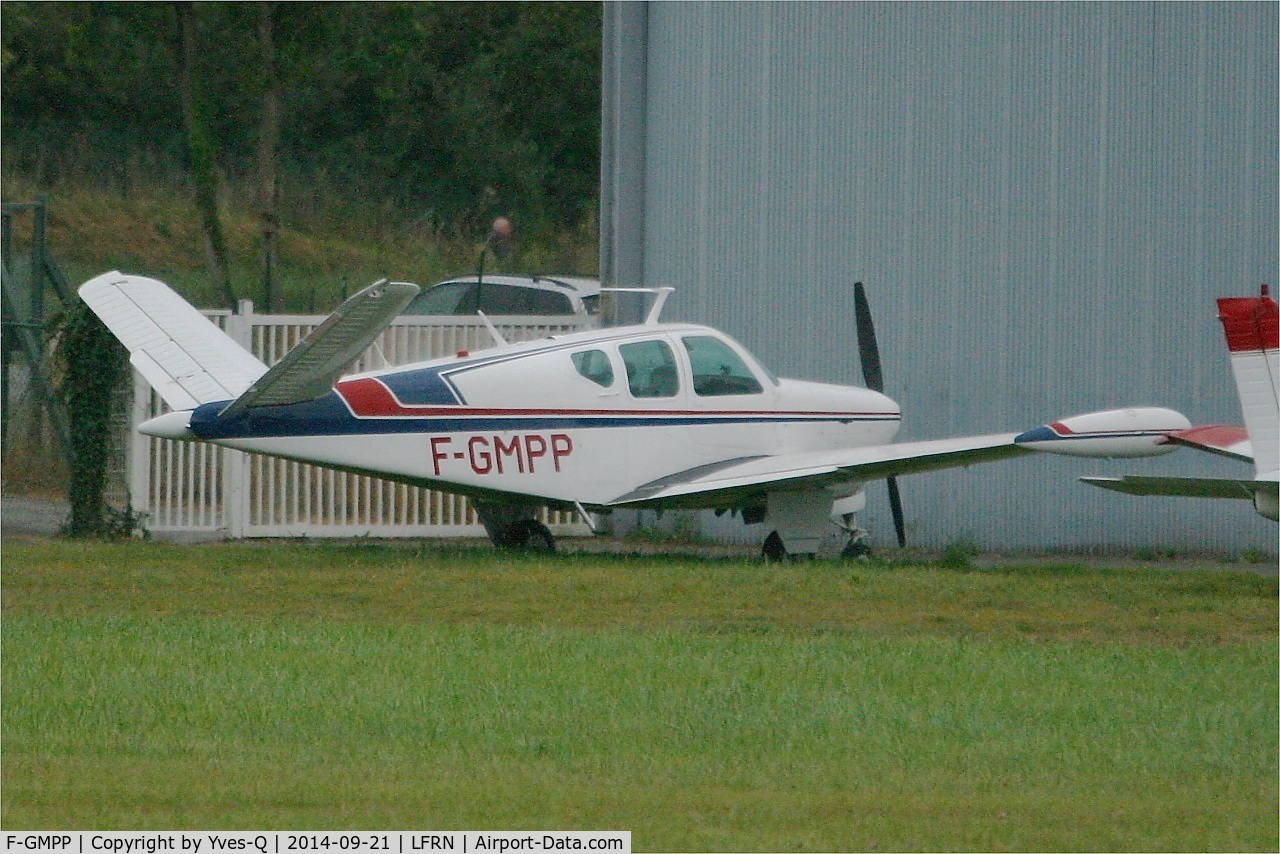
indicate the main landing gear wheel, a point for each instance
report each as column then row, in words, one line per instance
column 534, row 536
column 528, row 535
column 514, row 527
column 775, row 551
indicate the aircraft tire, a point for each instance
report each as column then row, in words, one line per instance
column 773, row 549
column 856, row 549
column 509, row 526
column 535, row 536
column 506, row 536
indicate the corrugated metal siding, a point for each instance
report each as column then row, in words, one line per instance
column 1043, row 200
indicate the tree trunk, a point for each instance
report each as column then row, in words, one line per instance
column 200, row 148
column 268, row 144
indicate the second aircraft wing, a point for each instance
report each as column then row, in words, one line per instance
column 731, row 482
column 1133, row 432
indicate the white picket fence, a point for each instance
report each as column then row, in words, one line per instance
column 197, row 489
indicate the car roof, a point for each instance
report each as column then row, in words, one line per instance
column 581, row 285
column 510, row 294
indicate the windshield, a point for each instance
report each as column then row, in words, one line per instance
column 449, row 298
column 461, row 298
column 717, row 369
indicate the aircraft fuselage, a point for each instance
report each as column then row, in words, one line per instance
column 573, row 418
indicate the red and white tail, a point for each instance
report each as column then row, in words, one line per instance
column 1252, row 326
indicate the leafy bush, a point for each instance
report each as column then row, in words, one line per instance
column 93, row 369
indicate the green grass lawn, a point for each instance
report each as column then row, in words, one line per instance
column 702, row 704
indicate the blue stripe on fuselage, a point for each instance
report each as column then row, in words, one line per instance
column 329, row 416
column 424, row 386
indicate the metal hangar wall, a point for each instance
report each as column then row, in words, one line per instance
column 1043, row 200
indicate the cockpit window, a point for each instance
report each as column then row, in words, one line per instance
column 651, row 369
column 717, row 369
column 595, row 366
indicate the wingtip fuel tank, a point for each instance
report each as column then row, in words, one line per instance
column 1132, row 432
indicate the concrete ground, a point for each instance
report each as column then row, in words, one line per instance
column 20, row 514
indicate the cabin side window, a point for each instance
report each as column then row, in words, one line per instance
column 651, row 369
column 595, row 366
column 717, row 369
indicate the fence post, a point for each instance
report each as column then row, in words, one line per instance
column 6, row 340
column 35, row 306
column 235, row 464
column 138, row 462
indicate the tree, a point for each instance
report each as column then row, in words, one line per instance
column 200, row 147
column 377, row 109
column 87, row 87
column 268, row 143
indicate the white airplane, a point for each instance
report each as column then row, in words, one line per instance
column 654, row 415
column 1252, row 328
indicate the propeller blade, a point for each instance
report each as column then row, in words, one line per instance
column 872, row 374
column 868, row 350
column 895, row 505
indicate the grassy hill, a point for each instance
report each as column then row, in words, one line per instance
column 323, row 255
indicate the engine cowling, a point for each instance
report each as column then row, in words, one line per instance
column 1133, row 432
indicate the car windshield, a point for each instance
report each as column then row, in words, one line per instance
column 461, row 298
column 449, row 298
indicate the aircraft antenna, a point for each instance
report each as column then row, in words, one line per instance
column 659, row 301
column 493, row 330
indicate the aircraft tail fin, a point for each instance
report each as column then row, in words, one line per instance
column 1252, row 327
column 185, row 357
column 311, row 368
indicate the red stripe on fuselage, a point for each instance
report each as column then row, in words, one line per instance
column 1252, row 324
column 370, row 398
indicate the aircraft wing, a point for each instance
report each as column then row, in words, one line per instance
column 731, row 482
column 1192, row 487
column 311, row 368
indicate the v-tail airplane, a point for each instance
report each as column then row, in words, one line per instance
column 652, row 415
column 1252, row 329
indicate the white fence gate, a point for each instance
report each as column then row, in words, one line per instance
column 194, row 488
